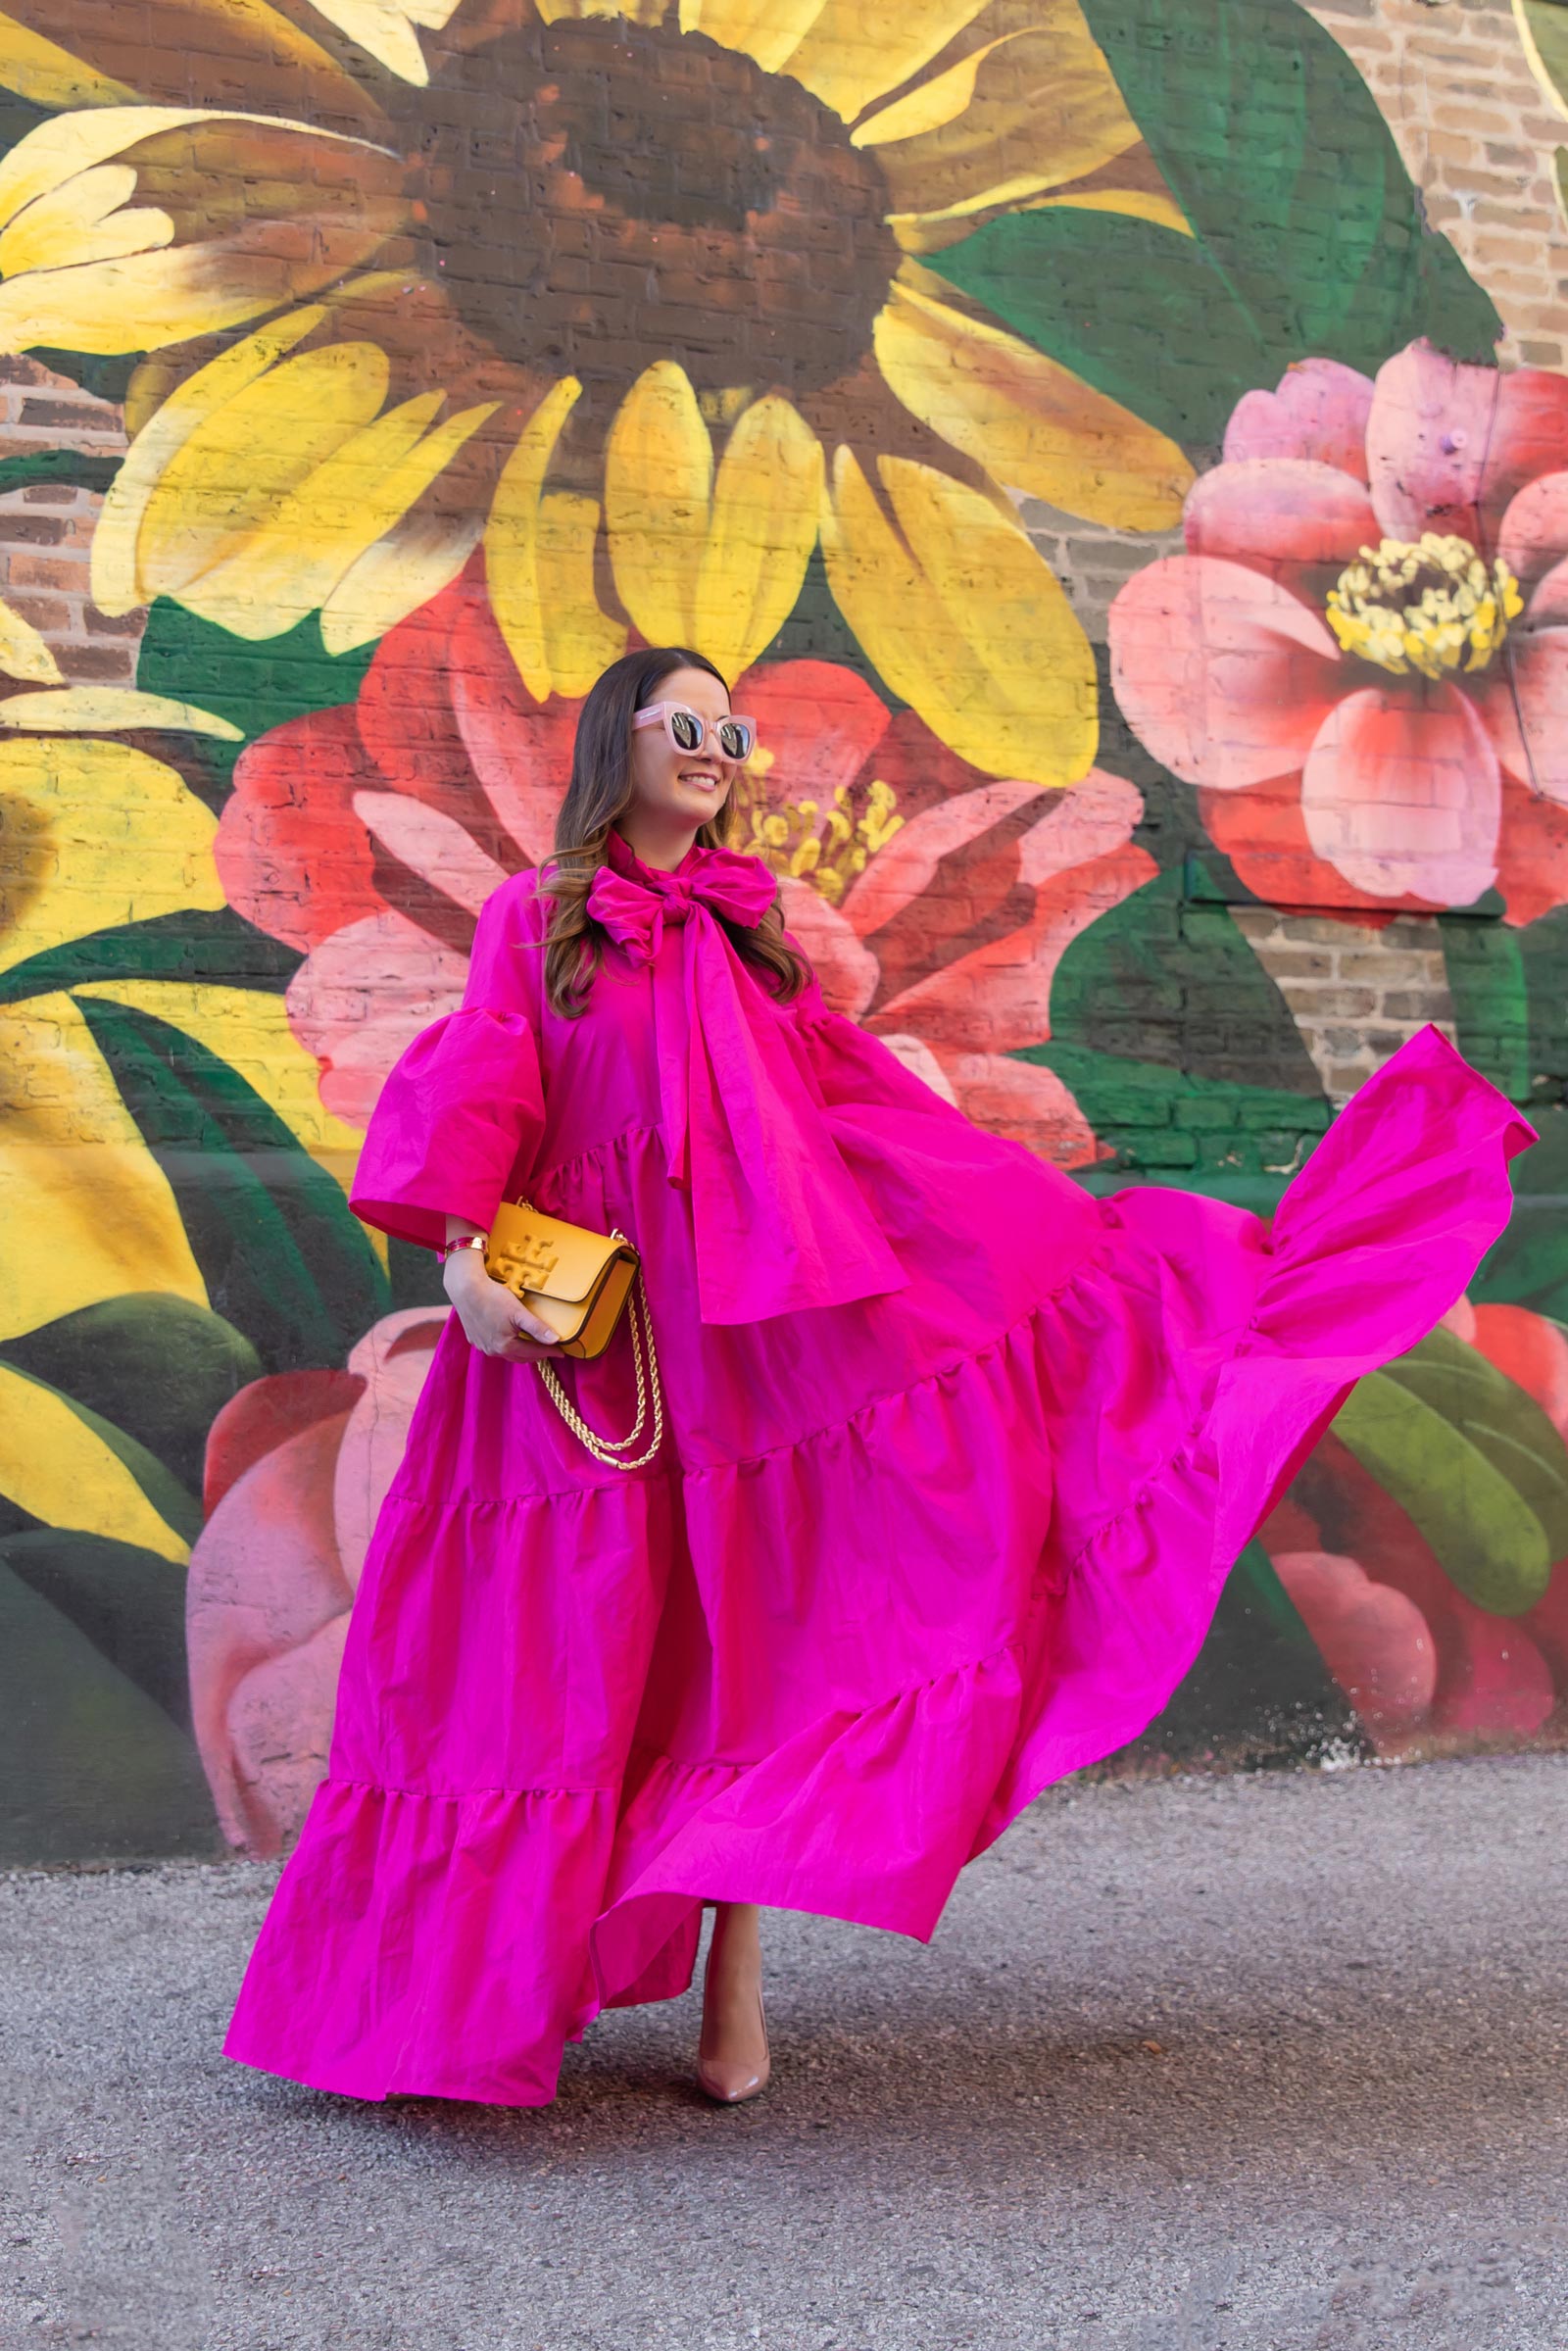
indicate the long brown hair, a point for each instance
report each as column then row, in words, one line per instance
column 599, row 790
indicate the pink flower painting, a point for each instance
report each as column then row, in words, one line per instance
column 1361, row 660
column 936, row 903
column 297, row 1466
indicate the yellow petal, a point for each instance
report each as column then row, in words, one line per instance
column 930, row 106
column 47, row 75
column 22, row 651
column 962, row 620
column 384, row 29
column 85, row 1210
column 513, row 556
column 58, row 1469
column 292, row 561
column 93, row 835
column 82, row 219
column 111, row 307
column 236, row 468
column 766, row 502
column 245, row 213
column 763, row 29
column 115, row 584
column 580, row 641
column 857, row 49
column 1137, row 204
column 412, row 561
column 1010, row 609
column 635, row 11
column 248, row 1028
column 1026, row 418
column 658, row 487
column 66, row 144
column 1544, row 37
column 111, row 709
column 887, row 600
column 237, row 45
column 1043, row 110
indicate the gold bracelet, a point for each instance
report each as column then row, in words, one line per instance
column 450, row 1248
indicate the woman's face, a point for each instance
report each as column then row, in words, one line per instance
column 676, row 787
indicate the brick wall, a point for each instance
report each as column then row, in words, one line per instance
column 1356, row 994
column 46, row 528
column 1478, row 135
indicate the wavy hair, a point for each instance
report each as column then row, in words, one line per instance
column 599, row 790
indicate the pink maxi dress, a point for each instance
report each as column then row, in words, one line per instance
column 955, row 1461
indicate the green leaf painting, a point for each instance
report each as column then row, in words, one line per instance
column 283, row 1257
column 1307, row 238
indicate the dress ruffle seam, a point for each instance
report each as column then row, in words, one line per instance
column 443, row 1795
column 1091, row 1257
column 853, row 1715
column 947, row 1371
column 639, row 1126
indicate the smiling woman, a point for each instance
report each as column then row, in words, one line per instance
column 428, row 289
column 949, row 1460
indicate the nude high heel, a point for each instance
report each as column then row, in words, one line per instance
column 731, row 2085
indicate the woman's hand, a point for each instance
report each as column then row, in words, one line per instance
column 492, row 1319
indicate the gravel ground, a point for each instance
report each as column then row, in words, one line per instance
column 1268, row 2064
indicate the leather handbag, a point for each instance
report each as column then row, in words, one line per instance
column 579, row 1282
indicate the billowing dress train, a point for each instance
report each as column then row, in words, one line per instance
column 955, row 1461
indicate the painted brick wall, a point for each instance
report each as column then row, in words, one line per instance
column 458, row 355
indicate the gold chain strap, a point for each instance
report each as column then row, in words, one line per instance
column 607, row 1448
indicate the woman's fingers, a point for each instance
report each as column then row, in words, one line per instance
column 529, row 1334
column 531, row 1327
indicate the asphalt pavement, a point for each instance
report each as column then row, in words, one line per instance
column 1259, row 2064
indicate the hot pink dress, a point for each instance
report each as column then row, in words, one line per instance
column 955, row 1461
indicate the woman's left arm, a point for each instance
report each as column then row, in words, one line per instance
column 465, row 1103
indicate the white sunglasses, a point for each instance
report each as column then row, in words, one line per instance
column 734, row 738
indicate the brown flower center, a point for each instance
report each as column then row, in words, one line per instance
column 597, row 195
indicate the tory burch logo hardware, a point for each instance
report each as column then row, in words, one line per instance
column 536, row 1265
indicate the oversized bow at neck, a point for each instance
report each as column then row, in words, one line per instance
column 634, row 902
column 779, row 1221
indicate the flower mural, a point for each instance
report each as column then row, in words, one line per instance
column 1426, row 1545
column 297, row 1466
column 1545, row 46
column 1362, row 660
column 935, row 907
column 462, row 344
column 318, row 276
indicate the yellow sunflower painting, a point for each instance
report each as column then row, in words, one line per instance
column 639, row 301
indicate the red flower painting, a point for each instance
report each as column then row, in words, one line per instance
column 936, row 903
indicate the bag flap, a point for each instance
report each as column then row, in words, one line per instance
column 559, row 1260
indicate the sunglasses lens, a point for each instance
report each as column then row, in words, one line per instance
column 687, row 730
column 735, row 738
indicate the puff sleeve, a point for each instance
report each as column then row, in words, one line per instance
column 462, row 1109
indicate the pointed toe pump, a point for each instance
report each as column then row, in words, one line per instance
column 727, row 2081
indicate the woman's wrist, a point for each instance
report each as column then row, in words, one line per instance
column 464, row 1269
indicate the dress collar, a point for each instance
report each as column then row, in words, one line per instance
column 619, row 853
column 778, row 1218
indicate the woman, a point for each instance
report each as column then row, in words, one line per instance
column 954, row 1461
